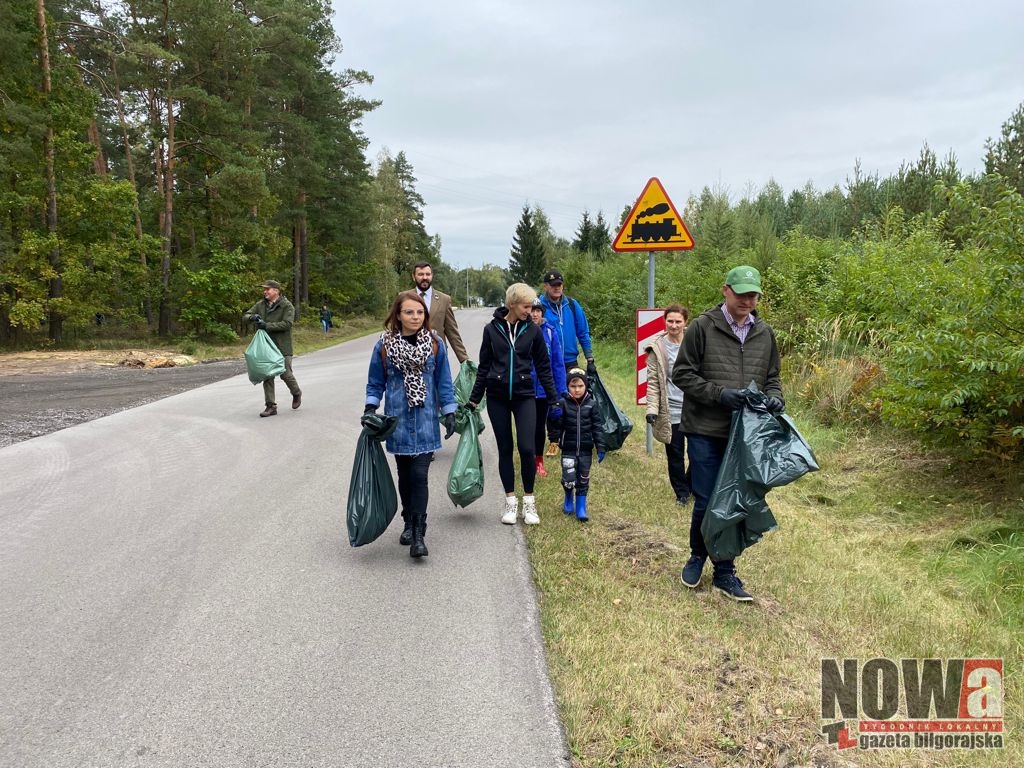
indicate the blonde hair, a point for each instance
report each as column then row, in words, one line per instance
column 519, row 293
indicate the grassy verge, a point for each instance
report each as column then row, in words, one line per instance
column 886, row 552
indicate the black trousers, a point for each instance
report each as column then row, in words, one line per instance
column 678, row 474
column 584, row 461
column 542, row 420
column 501, row 413
column 412, row 485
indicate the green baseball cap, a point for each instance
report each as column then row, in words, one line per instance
column 744, row 279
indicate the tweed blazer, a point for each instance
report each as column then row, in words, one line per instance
column 442, row 322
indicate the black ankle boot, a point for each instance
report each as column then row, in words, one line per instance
column 406, row 538
column 419, row 546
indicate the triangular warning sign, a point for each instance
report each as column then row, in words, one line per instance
column 653, row 224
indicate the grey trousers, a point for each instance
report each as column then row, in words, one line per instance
column 287, row 377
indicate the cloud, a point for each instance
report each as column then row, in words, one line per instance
column 574, row 105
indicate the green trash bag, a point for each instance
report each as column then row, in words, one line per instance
column 372, row 500
column 463, row 384
column 263, row 359
column 765, row 451
column 615, row 425
column 466, row 476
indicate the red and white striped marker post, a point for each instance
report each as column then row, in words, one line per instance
column 649, row 323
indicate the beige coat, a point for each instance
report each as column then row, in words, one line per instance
column 442, row 322
column 657, row 391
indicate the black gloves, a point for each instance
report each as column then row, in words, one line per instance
column 449, row 425
column 775, row 405
column 471, row 406
column 591, row 367
column 732, row 399
column 651, row 418
column 369, row 409
column 260, row 322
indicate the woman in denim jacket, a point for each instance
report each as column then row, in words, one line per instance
column 409, row 369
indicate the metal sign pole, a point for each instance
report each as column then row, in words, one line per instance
column 650, row 305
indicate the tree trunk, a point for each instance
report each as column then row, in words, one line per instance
column 167, row 225
column 56, row 287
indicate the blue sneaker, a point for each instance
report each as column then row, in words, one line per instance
column 692, row 571
column 730, row 585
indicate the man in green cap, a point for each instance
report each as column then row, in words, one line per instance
column 723, row 350
column 275, row 315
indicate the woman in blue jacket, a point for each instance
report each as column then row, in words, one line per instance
column 553, row 341
column 409, row 369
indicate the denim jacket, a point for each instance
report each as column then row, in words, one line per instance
column 418, row 428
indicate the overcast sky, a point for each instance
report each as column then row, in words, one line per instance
column 575, row 104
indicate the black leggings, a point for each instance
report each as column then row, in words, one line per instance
column 542, row 419
column 412, row 485
column 525, row 412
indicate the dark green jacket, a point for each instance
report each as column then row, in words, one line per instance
column 278, row 318
column 711, row 359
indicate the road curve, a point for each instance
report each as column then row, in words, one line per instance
column 178, row 590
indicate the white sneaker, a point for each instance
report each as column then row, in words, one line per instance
column 530, row 516
column 511, row 510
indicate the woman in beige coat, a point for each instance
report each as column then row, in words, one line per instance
column 665, row 399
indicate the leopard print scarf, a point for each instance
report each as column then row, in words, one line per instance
column 410, row 359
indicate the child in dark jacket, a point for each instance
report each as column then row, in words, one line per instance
column 579, row 435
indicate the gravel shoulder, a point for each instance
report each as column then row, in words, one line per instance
column 44, row 393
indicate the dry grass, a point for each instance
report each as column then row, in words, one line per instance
column 649, row 673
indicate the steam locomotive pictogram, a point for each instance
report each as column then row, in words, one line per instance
column 653, row 230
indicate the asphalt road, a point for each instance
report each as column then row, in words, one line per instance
column 177, row 589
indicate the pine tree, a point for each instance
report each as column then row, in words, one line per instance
column 1005, row 155
column 584, row 234
column 526, row 263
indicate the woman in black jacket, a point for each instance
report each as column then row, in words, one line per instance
column 512, row 346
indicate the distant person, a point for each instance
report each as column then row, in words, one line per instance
column 275, row 315
column 442, row 315
column 512, row 347
column 724, row 349
column 577, row 428
column 568, row 317
column 326, row 318
column 409, row 370
column 665, row 399
column 553, row 341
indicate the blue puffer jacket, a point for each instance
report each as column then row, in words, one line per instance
column 569, row 318
column 418, row 428
column 554, row 345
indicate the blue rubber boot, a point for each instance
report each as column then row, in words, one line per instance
column 581, row 509
column 567, row 506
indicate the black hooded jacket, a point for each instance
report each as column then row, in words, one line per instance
column 507, row 357
column 580, row 425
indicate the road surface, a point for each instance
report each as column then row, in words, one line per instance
column 178, row 590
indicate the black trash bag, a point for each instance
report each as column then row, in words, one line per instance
column 372, row 500
column 765, row 451
column 615, row 425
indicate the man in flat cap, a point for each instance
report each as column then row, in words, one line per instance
column 275, row 315
column 566, row 314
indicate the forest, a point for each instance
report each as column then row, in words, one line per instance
column 158, row 160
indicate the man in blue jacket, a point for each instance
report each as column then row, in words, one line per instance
column 568, row 317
